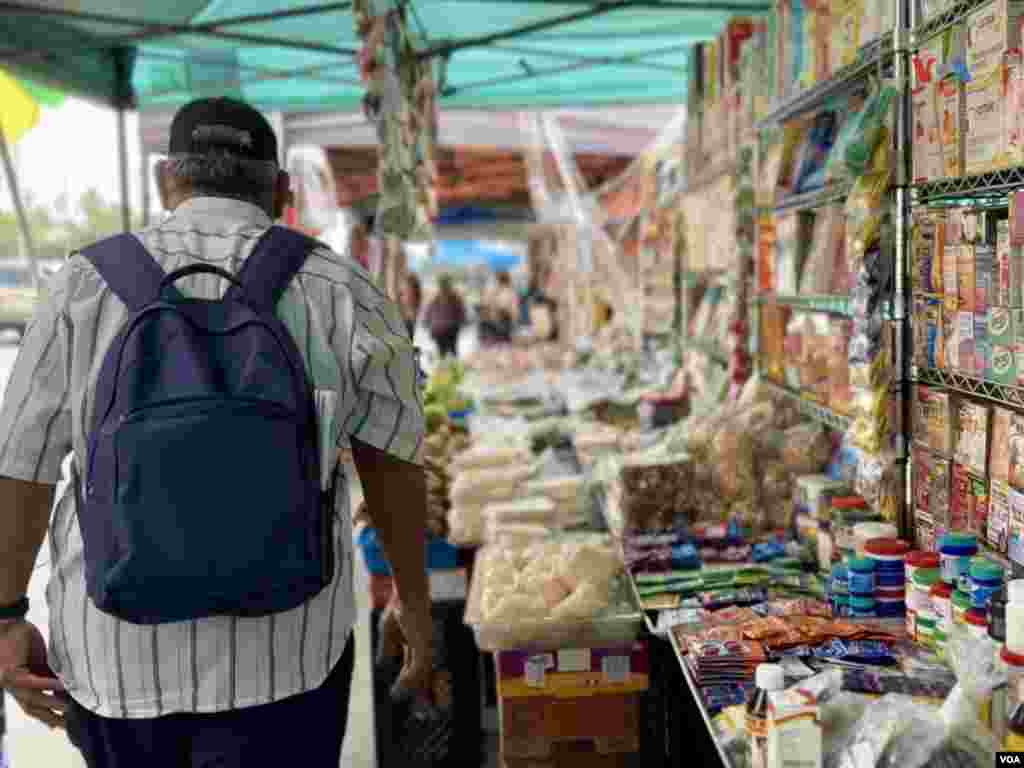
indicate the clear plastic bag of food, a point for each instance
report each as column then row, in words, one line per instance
column 806, row 448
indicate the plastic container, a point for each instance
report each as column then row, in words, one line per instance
column 840, row 606
column 961, row 603
column 847, row 513
column 840, row 576
column 976, row 624
column 986, row 579
column 865, row 532
column 618, row 626
column 925, row 632
column 941, row 596
column 768, row 678
column 941, row 638
column 956, row 552
column 997, row 616
column 891, row 593
column 890, row 609
column 915, row 561
column 863, row 607
column 860, row 576
column 889, row 554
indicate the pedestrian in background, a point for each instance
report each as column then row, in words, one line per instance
column 445, row 317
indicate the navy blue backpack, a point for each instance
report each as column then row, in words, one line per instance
column 202, row 488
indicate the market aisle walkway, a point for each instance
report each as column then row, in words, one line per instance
column 31, row 745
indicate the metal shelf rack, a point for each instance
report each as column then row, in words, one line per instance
column 995, row 184
column 870, row 57
column 816, row 198
column 939, row 22
column 833, row 305
column 811, row 409
column 1004, row 394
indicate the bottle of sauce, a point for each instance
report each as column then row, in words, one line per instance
column 768, row 678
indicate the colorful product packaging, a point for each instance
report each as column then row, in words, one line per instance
column 982, row 346
column 847, row 17
column 972, row 435
column 950, row 342
column 927, row 144
column 1015, row 537
column 999, row 459
column 1013, row 112
column 924, row 531
column 984, row 294
column 968, row 504
column 1008, row 269
column 965, row 277
column 932, row 478
column 984, row 104
column 1016, row 451
column 992, row 30
column 965, row 343
column 933, row 419
column 997, row 532
column 951, row 121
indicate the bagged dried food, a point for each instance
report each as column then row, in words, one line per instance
column 483, row 485
column 489, row 456
column 806, row 448
column 732, row 451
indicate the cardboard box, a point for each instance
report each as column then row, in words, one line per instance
column 965, row 343
column 1015, row 449
column 968, row 505
column 982, row 346
column 997, row 530
column 950, row 105
column 534, row 727
column 924, row 531
column 983, row 140
column 932, row 478
column 934, row 419
column 999, row 458
column 572, row 673
column 1013, row 112
column 927, row 145
column 928, row 332
column 1004, row 365
column 950, row 343
column 992, row 30
column 847, row 17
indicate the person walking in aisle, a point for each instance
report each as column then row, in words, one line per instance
column 500, row 309
column 410, row 299
column 445, row 317
column 199, row 374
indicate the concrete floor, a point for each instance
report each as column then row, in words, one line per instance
column 30, row 744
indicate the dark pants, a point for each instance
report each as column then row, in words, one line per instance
column 307, row 729
column 447, row 343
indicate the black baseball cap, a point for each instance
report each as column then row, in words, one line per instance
column 222, row 124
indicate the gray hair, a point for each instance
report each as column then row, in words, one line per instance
column 225, row 174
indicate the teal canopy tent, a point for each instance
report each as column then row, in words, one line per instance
column 298, row 55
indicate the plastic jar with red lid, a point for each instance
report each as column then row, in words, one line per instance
column 919, row 559
column 889, row 556
column 976, row 624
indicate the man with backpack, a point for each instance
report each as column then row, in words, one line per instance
column 202, row 375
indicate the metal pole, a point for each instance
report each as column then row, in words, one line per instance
column 147, row 202
column 19, row 206
column 123, row 95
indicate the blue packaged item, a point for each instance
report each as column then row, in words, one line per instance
column 873, row 652
column 890, row 609
column 769, row 550
column 860, row 576
column 955, row 554
column 986, row 578
column 888, row 579
column 441, row 556
column 203, row 493
column 840, row 580
column 685, row 558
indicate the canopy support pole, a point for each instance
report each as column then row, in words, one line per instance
column 19, row 206
column 123, row 92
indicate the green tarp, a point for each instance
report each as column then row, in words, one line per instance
column 296, row 55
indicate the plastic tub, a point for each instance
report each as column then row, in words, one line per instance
column 986, row 579
column 840, row 578
column 865, row 532
column 976, row 625
column 618, row 626
column 860, row 576
column 917, row 560
column 891, row 593
column 840, row 606
column 925, row 632
column 956, row 552
column 890, row 609
column 997, row 616
column 961, row 603
column 941, row 596
column 888, row 554
column 863, row 607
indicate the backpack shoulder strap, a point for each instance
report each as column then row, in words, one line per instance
column 275, row 260
column 128, row 268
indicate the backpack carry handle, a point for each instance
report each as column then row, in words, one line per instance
column 196, row 269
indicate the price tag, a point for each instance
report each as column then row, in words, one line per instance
column 536, row 667
column 574, row 660
column 448, row 585
column 615, row 668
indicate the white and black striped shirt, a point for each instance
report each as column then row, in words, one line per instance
column 353, row 339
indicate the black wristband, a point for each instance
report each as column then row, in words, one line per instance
column 16, row 610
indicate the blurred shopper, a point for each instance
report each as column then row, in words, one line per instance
column 169, row 645
column 410, row 299
column 499, row 309
column 445, row 317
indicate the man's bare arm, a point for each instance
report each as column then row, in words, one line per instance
column 24, row 517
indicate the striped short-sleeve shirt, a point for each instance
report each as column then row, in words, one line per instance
column 353, row 340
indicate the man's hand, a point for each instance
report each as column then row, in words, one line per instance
column 409, row 627
column 25, row 674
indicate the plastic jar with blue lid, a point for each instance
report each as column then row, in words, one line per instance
column 840, row 606
column 838, row 583
column 860, row 576
column 889, row 608
column 955, row 553
column 862, row 607
column 986, row 579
